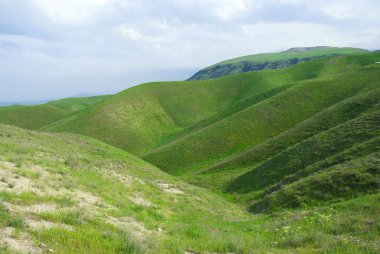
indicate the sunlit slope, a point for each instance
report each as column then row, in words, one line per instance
column 144, row 117
column 34, row 117
column 255, row 124
column 73, row 194
column 271, row 61
column 149, row 116
column 64, row 193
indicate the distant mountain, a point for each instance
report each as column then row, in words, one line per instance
column 271, row 61
column 31, row 103
column 26, row 103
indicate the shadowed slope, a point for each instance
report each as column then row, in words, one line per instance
column 150, row 116
column 219, row 175
column 260, row 122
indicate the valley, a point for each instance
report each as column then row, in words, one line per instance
column 282, row 159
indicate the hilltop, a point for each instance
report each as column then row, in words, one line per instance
column 282, row 161
column 212, row 132
column 37, row 116
column 266, row 61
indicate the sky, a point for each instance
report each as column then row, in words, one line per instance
column 59, row 48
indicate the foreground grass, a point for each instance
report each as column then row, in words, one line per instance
column 98, row 199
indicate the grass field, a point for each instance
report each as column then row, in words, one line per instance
column 64, row 193
column 151, row 115
column 35, row 117
column 272, row 161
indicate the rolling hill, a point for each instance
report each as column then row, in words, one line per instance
column 74, row 194
column 37, row 116
column 271, row 161
column 64, row 193
column 212, row 132
column 271, row 61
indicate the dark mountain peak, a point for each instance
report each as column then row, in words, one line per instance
column 304, row 49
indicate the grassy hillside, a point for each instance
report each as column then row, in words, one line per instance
column 270, row 61
column 144, row 117
column 34, row 117
column 76, row 194
column 351, row 145
column 64, row 193
column 262, row 121
column 273, row 161
column 151, row 115
column 219, row 175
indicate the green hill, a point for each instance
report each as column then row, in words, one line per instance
column 148, row 116
column 64, row 193
column 270, row 61
column 34, row 117
column 272, row 161
column 213, row 133
column 77, row 195
column 261, row 121
column 144, row 117
column 219, row 175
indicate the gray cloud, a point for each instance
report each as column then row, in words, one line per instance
column 56, row 48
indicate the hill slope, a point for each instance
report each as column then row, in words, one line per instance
column 270, row 61
column 148, row 116
column 64, row 193
column 214, row 132
column 34, row 117
column 217, row 133
column 75, row 194
column 261, row 121
column 144, row 117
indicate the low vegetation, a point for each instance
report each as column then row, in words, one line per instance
column 35, row 117
column 272, row 161
column 108, row 201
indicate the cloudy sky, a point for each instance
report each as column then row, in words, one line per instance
column 58, row 48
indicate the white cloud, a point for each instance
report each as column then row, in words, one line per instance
column 227, row 9
column 60, row 47
column 76, row 13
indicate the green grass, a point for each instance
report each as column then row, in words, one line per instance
column 340, row 182
column 34, row 117
column 197, row 220
column 274, row 161
column 260, row 122
column 149, row 116
column 9, row 220
column 321, row 146
column 328, row 118
column 296, row 52
column 271, row 61
column 214, row 133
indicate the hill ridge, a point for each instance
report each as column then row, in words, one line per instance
column 278, row 60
